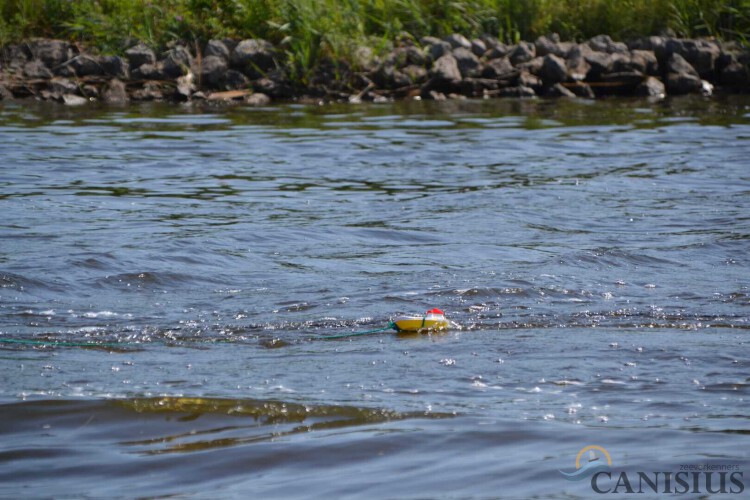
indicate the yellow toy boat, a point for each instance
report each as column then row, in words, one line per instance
column 432, row 321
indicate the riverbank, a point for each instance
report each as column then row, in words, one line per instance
column 255, row 71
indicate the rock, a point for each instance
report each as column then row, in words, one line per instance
column 438, row 49
column 140, row 54
column 651, row 87
column 387, row 76
column 236, row 80
column 51, row 52
column 603, row 43
column 178, row 62
column 212, row 72
column 497, row 51
column 553, row 70
column 116, row 92
column 477, row 87
column 558, row 90
column 90, row 91
column 151, row 91
column 681, row 83
column 60, row 86
column 85, row 65
column 429, row 40
column 620, row 62
column 415, row 56
column 534, row 66
column 644, row 61
column 458, row 41
column 526, row 79
column 499, row 69
column 73, row 100
column 468, row 63
column 682, row 77
column 258, row 99
column 115, row 66
column 599, row 63
column 149, row 72
column 445, row 69
column 678, row 64
column 36, row 69
column 578, row 68
column 273, row 87
column 581, row 89
column 551, row 45
column 216, row 48
column 701, row 54
column 14, row 56
column 522, row 53
column 735, row 74
column 253, row 57
column 478, row 47
column 416, row 74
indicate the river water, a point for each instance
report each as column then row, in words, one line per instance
column 168, row 276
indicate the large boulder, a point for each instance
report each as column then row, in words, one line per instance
column 578, row 67
column 599, row 62
column 644, row 61
column 116, row 92
column 651, row 87
column 177, row 62
column 437, row 48
column 682, row 78
column 446, row 69
column 51, row 52
column 522, row 53
column 553, row 70
column 456, row 40
column 498, row 69
column 701, row 54
column 735, row 74
column 216, row 48
column 604, row 43
column 253, row 57
column 468, row 63
column 478, row 47
column 552, row 45
column 140, row 54
column 236, row 80
column 86, row 65
column 212, row 71
column 36, row 69
column 115, row 66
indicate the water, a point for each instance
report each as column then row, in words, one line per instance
column 167, row 273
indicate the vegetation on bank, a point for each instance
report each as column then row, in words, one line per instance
column 311, row 29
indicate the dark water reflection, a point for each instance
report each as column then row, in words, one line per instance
column 165, row 273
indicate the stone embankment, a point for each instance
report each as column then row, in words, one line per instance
column 254, row 71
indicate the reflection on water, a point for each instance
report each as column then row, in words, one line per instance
column 165, row 272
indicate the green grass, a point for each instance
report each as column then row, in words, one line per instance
column 311, row 30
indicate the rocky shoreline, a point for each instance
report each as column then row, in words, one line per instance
column 253, row 71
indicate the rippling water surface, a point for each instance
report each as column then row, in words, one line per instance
column 167, row 275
